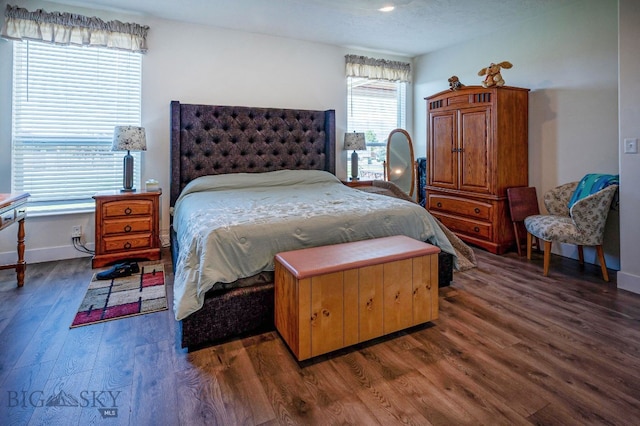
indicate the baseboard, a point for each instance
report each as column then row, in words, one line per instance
column 628, row 282
column 570, row 251
column 47, row 254
column 50, row 254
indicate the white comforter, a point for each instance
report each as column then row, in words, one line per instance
column 231, row 226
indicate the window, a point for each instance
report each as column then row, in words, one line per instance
column 375, row 107
column 66, row 102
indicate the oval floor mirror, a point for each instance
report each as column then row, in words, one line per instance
column 399, row 166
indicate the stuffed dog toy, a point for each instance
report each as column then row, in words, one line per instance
column 493, row 76
column 454, row 83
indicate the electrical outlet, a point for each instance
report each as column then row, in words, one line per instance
column 76, row 231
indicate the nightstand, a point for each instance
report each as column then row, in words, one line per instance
column 127, row 226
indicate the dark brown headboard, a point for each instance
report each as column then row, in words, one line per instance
column 214, row 139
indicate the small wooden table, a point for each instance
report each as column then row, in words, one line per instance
column 13, row 209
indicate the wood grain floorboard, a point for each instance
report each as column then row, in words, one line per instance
column 80, row 350
column 71, row 385
column 22, row 392
column 153, row 396
column 510, row 347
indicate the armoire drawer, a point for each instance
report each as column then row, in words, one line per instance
column 466, row 226
column 460, row 206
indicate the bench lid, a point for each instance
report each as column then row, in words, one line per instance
column 314, row 261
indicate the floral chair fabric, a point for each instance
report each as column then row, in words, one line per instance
column 582, row 225
column 554, row 200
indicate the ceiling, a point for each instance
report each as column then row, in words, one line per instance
column 415, row 27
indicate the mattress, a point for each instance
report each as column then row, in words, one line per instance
column 230, row 227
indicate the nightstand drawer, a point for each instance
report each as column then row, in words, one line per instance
column 127, row 242
column 121, row 208
column 126, row 226
column 461, row 206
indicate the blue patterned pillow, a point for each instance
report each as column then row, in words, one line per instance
column 592, row 183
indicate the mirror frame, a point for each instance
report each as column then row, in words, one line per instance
column 387, row 169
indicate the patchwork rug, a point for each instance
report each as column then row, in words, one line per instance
column 122, row 297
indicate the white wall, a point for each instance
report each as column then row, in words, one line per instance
column 191, row 64
column 629, row 98
column 569, row 61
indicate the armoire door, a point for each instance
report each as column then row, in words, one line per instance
column 443, row 155
column 474, row 150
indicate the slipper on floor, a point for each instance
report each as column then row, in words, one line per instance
column 118, row 270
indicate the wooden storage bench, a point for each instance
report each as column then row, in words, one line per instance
column 330, row 297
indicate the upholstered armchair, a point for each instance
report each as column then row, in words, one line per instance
column 583, row 224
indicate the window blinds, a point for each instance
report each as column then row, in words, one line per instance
column 66, row 102
column 375, row 107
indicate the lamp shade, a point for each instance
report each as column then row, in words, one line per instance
column 354, row 141
column 129, row 138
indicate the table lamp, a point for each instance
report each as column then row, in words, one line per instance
column 356, row 142
column 128, row 138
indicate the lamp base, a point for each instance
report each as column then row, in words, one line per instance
column 354, row 165
column 127, row 174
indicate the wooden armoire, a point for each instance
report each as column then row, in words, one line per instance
column 477, row 147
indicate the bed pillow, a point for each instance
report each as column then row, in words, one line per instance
column 252, row 180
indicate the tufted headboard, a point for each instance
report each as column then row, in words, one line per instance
column 214, row 139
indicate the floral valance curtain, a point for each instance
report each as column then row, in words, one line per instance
column 378, row 69
column 67, row 28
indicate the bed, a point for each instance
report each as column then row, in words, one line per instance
column 219, row 146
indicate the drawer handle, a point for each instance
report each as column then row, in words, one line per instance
column 127, row 211
column 476, row 229
column 477, row 210
column 127, row 245
column 439, row 205
column 127, row 228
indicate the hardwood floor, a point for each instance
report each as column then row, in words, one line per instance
column 510, row 347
